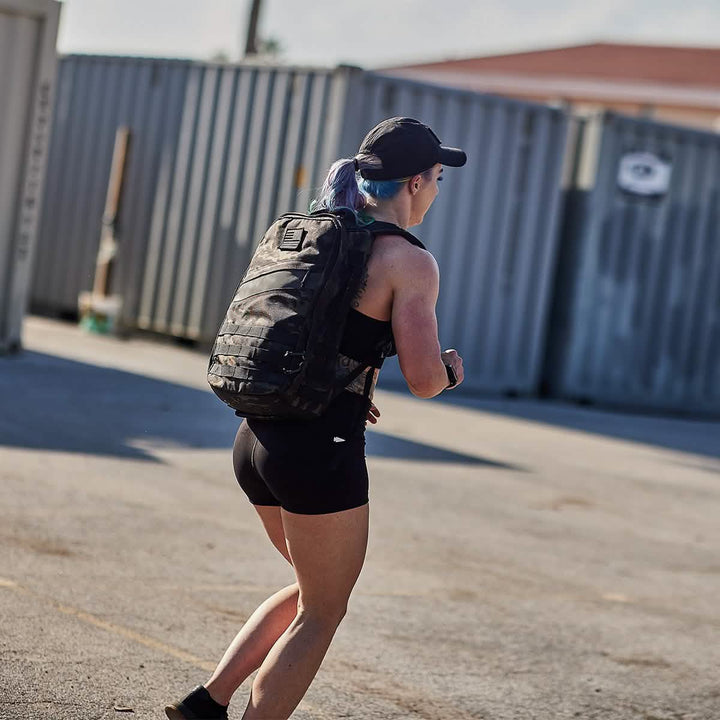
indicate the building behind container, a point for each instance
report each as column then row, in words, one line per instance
column 28, row 32
column 669, row 84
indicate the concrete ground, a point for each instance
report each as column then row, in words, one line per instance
column 527, row 560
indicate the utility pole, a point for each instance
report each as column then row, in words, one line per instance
column 251, row 42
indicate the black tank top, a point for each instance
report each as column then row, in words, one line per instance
column 366, row 339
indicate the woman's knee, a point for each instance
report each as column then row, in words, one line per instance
column 326, row 612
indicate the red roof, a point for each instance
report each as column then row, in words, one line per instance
column 664, row 64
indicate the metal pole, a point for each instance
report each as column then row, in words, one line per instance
column 251, row 41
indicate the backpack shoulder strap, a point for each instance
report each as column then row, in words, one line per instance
column 378, row 227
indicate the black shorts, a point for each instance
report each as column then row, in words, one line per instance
column 309, row 467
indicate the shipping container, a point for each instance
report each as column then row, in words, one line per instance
column 28, row 32
column 218, row 151
column 95, row 97
column 637, row 315
column 253, row 143
column 494, row 226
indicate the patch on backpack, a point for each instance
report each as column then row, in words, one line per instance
column 292, row 239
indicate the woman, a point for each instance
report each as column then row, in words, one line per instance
column 308, row 479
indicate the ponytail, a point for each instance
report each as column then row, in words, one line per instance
column 340, row 189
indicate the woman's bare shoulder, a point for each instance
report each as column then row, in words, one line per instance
column 395, row 267
column 400, row 260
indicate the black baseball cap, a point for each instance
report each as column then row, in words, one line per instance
column 405, row 147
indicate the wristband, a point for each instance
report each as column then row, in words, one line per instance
column 452, row 377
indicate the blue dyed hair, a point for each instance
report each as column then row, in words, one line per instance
column 340, row 189
column 381, row 189
column 386, row 189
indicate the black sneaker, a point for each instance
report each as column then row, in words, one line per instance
column 198, row 705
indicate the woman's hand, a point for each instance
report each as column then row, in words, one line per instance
column 373, row 414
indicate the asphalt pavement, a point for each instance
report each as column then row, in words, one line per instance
column 527, row 559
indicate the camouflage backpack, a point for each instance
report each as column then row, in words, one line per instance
column 275, row 353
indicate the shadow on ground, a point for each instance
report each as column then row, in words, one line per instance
column 389, row 446
column 698, row 436
column 51, row 403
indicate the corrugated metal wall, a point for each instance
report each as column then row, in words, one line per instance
column 493, row 227
column 217, row 152
column 27, row 69
column 95, row 96
column 643, row 322
column 253, row 142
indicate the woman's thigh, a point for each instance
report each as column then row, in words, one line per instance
column 327, row 553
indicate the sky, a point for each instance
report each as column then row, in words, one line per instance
column 376, row 33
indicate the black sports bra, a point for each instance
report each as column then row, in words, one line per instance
column 367, row 339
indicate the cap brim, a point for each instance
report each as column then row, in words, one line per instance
column 453, row 157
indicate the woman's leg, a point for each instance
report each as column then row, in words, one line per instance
column 263, row 627
column 327, row 552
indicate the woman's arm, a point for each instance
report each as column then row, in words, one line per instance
column 416, row 283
